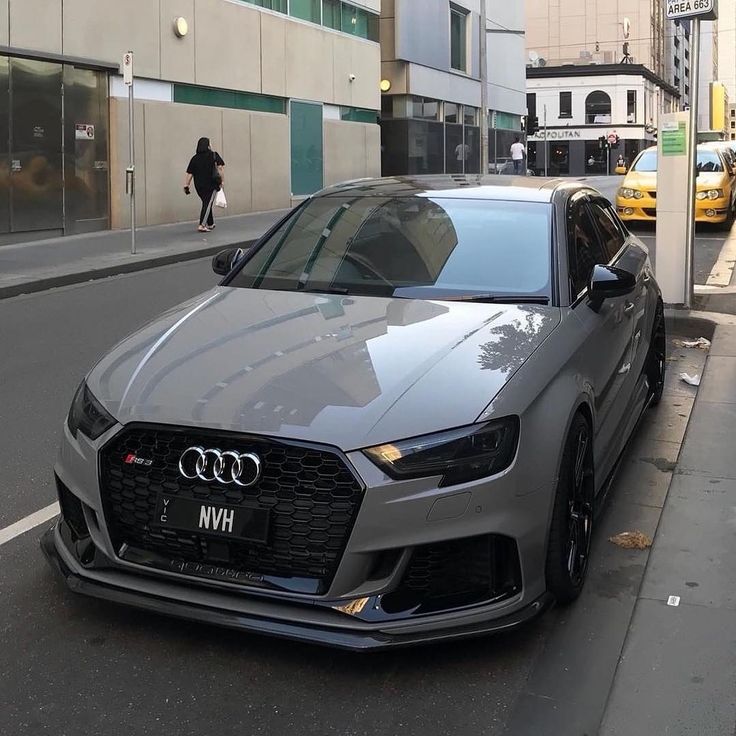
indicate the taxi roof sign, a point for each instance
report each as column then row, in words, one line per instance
column 685, row 9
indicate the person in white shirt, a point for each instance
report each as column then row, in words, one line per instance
column 518, row 152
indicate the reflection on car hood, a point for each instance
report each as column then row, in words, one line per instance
column 346, row 371
column 648, row 179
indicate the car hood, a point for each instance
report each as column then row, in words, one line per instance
column 648, row 180
column 346, row 371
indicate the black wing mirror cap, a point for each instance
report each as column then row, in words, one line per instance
column 607, row 282
column 225, row 260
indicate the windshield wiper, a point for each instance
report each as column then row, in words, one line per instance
column 329, row 290
column 498, row 298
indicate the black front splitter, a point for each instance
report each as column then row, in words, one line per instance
column 351, row 640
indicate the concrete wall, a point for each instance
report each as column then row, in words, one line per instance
column 232, row 45
column 351, row 151
column 255, row 147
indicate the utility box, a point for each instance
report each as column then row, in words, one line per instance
column 673, row 157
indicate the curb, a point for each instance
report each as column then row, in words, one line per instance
column 94, row 274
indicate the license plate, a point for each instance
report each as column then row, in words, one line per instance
column 215, row 519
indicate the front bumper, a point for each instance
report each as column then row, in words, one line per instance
column 307, row 623
column 645, row 210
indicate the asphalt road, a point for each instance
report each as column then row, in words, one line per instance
column 71, row 666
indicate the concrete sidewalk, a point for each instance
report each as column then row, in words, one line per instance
column 43, row 264
column 677, row 670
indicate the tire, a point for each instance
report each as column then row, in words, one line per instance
column 656, row 362
column 571, row 530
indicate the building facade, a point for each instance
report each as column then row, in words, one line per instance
column 430, row 71
column 601, row 68
column 585, row 103
column 287, row 91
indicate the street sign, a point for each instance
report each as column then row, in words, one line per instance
column 683, row 9
column 612, row 139
column 128, row 68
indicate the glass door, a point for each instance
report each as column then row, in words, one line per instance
column 4, row 141
column 307, row 168
column 36, row 169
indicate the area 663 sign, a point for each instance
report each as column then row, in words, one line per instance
column 703, row 9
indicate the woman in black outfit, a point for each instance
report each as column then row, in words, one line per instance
column 203, row 167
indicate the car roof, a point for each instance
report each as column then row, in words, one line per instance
column 457, row 186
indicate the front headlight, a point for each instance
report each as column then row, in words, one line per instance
column 638, row 194
column 459, row 455
column 626, row 192
column 709, row 194
column 88, row 415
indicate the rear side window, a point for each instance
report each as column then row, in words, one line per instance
column 611, row 235
column 584, row 247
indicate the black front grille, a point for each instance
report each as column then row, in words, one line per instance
column 312, row 496
column 457, row 573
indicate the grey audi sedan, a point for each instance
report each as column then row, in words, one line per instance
column 392, row 422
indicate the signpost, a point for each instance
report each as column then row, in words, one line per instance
column 130, row 171
column 678, row 136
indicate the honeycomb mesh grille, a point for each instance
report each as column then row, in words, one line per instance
column 312, row 496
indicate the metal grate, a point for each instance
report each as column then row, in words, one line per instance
column 312, row 496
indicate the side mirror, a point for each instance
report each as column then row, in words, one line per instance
column 224, row 261
column 607, row 282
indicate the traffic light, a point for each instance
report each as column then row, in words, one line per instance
column 602, row 143
column 616, row 142
column 532, row 125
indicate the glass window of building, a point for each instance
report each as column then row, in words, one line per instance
column 631, row 106
column 306, row 10
column 423, row 108
column 470, row 115
column 597, row 108
column 453, row 113
column 331, row 15
column 458, row 38
column 565, row 104
column 559, row 159
column 595, row 159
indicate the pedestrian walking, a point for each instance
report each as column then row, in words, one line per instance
column 206, row 168
column 518, row 152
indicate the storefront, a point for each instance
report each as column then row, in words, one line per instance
column 54, row 139
column 577, row 152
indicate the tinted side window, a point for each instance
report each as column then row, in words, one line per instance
column 584, row 247
column 613, row 239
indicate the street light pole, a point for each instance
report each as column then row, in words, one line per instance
column 483, row 89
column 546, row 145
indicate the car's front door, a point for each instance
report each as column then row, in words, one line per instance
column 605, row 355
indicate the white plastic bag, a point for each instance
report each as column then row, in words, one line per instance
column 220, row 200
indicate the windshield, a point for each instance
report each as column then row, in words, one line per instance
column 414, row 247
column 707, row 161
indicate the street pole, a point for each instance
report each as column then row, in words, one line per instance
column 483, row 90
column 692, row 169
column 130, row 171
column 546, row 147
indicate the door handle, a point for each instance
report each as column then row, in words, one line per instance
column 629, row 308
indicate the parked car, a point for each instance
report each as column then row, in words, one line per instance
column 394, row 421
column 715, row 197
column 505, row 167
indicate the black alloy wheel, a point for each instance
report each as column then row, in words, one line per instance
column 656, row 364
column 571, row 531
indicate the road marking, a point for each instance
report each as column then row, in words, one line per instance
column 722, row 271
column 29, row 522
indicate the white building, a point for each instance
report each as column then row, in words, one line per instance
column 585, row 103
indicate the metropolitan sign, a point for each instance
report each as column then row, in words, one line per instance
column 702, row 9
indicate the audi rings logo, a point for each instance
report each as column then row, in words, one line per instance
column 241, row 468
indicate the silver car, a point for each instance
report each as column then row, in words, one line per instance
column 392, row 422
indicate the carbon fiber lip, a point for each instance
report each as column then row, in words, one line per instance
column 356, row 641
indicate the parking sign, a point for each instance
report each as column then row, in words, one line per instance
column 702, row 9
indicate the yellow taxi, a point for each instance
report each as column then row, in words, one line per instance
column 714, row 200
